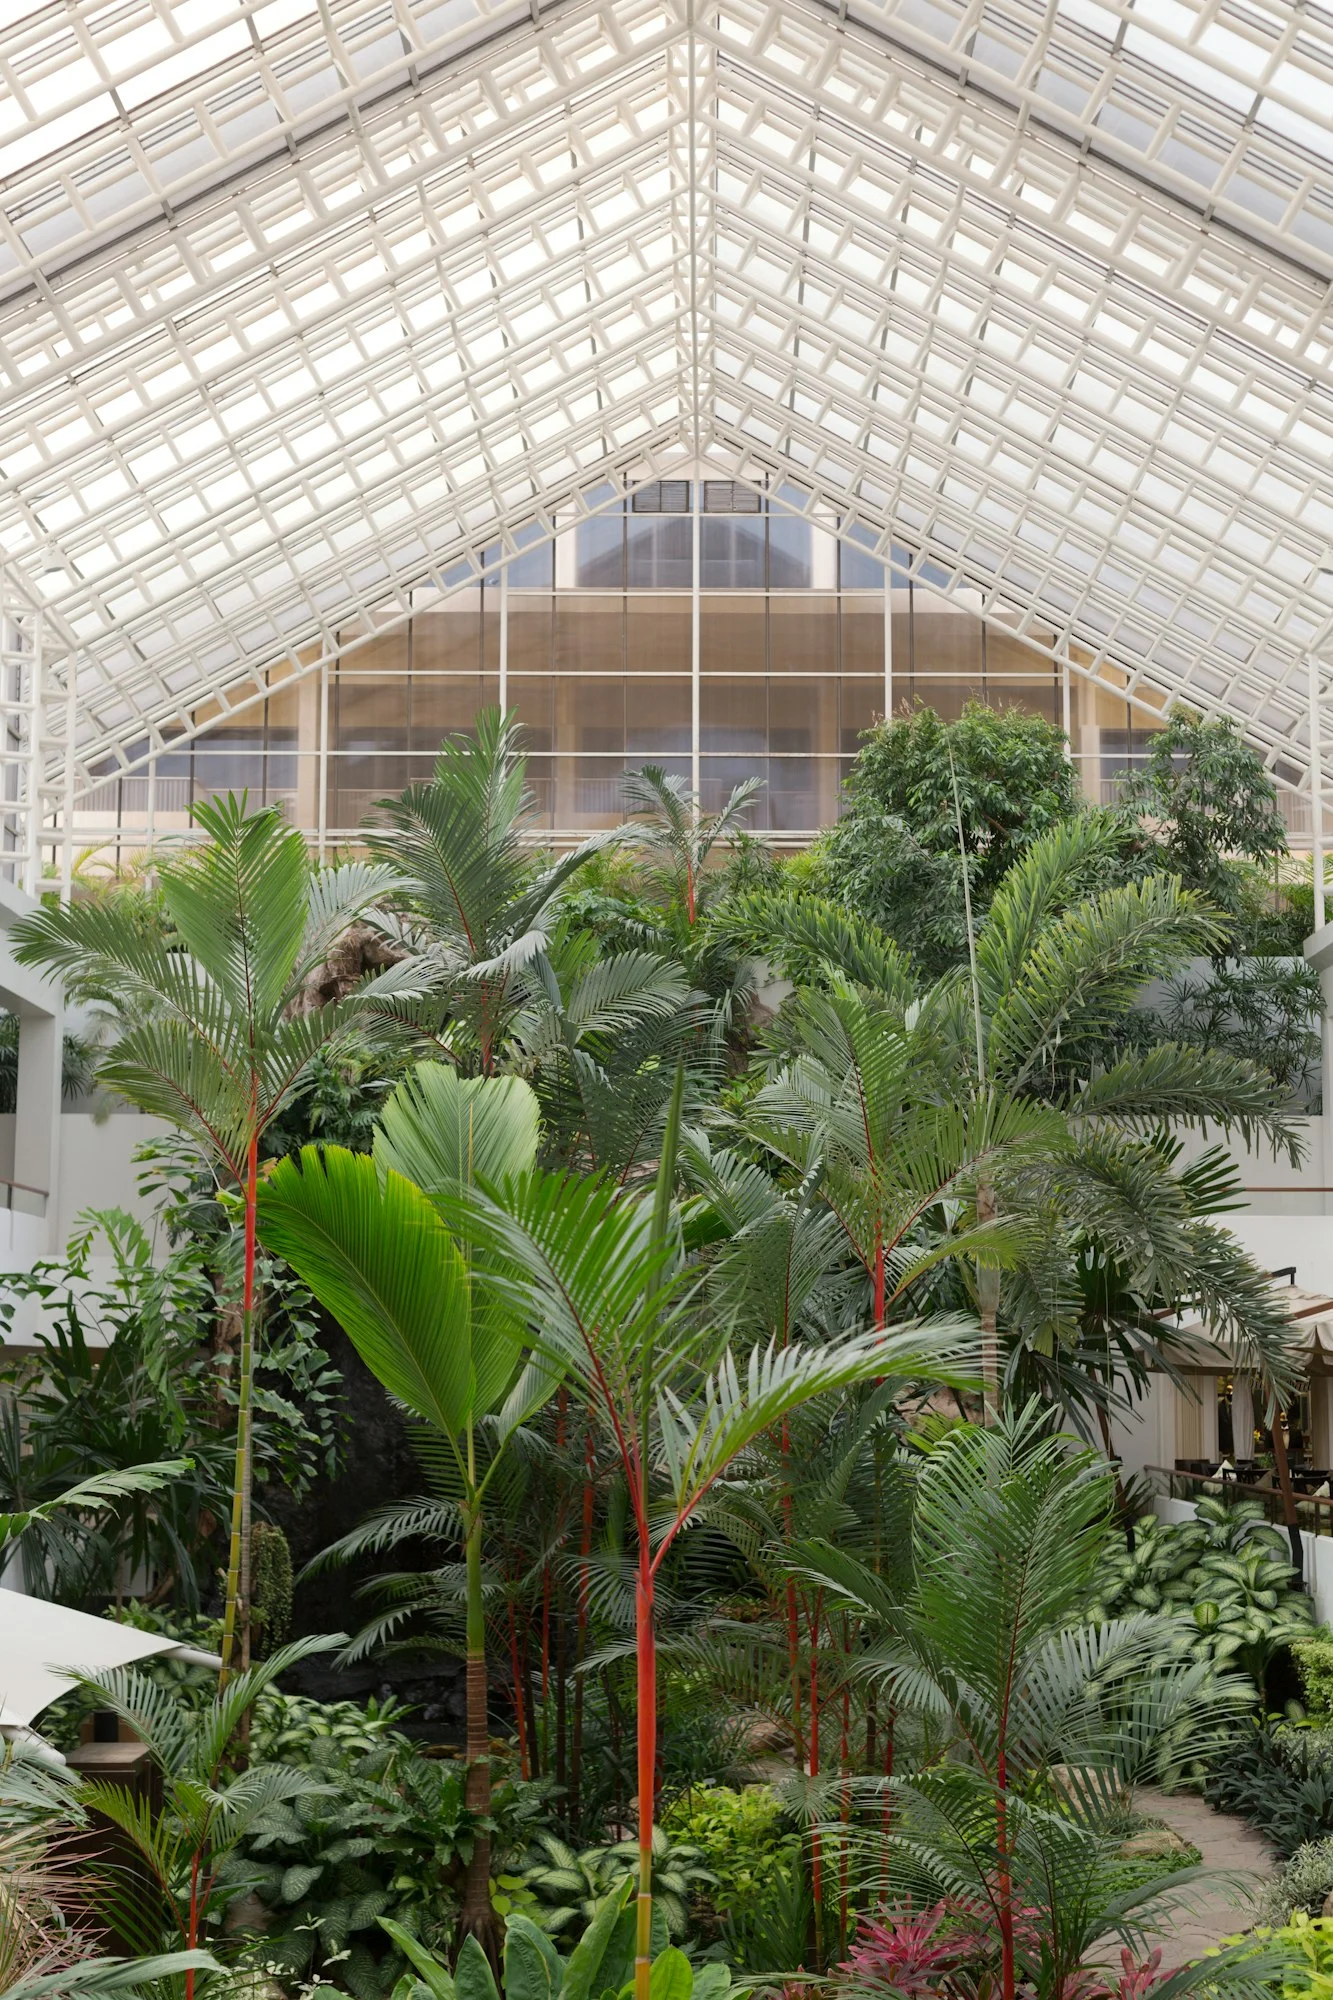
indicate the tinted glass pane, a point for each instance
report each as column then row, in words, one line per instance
column 731, row 553
column 858, row 569
column 449, row 640
column 863, row 635
column 657, row 635
column 533, row 696
column 657, row 719
column 534, row 569
column 447, row 706
column 733, row 716
column 659, row 551
column 803, row 635
column 589, row 635
column 733, row 635
column 789, row 560
column 600, row 552
column 531, row 634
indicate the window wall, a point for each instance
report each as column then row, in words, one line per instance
column 804, row 642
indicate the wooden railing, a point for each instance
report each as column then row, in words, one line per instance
column 1314, row 1515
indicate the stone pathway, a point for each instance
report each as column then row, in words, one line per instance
column 1220, row 1908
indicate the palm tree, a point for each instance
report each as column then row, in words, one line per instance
column 600, row 1038
column 207, row 986
column 476, row 907
column 1049, row 1720
column 206, row 1812
column 1009, row 1053
column 673, row 827
column 426, row 1317
column 609, row 1299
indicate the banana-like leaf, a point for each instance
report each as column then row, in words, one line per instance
column 438, row 1128
column 374, row 1251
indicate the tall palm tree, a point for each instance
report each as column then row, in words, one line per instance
column 476, row 907
column 1047, row 1720
column 673, row 826
column 207, row 986
column 422, row 1309
column 609, row 1296
column 1012, row 1052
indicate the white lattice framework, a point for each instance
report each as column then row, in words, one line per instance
column 306, row 304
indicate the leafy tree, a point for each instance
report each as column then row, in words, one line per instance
column 1204, row 798
column 207, row 983
column 893, row 857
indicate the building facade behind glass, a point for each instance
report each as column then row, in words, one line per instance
column 804, row 641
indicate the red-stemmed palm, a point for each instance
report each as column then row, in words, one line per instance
column 207, row 982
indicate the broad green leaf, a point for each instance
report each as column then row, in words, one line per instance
column 712, row 1980
column 432, row 1972
column 672, row 1977
column 376, row 1254
column 533, row 1967
column 583, row 1972
column 438, row 1128
column 473, row 1978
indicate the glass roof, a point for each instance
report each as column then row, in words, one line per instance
column 303, row 304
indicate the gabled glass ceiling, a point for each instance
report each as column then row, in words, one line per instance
column 302, row 305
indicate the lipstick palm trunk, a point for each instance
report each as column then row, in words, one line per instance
column 236, row 1615
column 477, row 1917
column 645, row 1642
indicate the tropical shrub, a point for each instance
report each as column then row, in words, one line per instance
column 379, row 1836
column 739, row 1834
column 600, row 1963
column 1225, row 1579
column 1278, row 1777
column 1304, row 1883
column 570, row 1887
column 1314, row 1663
column 1302, row 1955
column 949, row 1950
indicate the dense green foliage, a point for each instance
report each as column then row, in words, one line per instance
column 1226, row 1577
column 894, row 855
column 756, row 1368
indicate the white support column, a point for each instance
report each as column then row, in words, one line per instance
column 22, row 748
column 37, row 1105
column 696, row 613
column 322, row 762
column 888, row 637
column 1316, row 795
column 1065, row 718
column 67, row 785
column 1207, row 1387
column 504, row 640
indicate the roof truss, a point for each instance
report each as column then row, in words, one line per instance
column 307, row 323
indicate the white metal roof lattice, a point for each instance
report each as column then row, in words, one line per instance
column 303, row 304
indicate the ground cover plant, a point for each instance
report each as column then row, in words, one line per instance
column 749, row 1379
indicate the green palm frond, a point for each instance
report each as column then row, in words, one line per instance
column 1084, row 970
column 802, row 937
column 1191, row 1088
